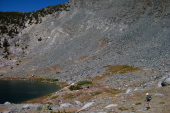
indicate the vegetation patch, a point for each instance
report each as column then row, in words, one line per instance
column 78, row 85
column 115, row 91
column 54, row 97
column 63, row 84
column 121, row 69
column 43, row 79
column 138, row 103
column 123, row 109
column 1, row 74
column 83, row 59
column 84, row 82
column 75, row 87
column 95, row 93
column 125, row 105
column 161, row 102
column 69, row 96
column 60, row 112
column 103, row 42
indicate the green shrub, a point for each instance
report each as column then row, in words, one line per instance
column 84, row 82
column 76, row 87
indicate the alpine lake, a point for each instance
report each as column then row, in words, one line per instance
column 18, row 91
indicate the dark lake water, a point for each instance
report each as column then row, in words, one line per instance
column 16, row 91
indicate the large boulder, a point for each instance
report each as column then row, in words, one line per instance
column 166, row 81
column 7, row 103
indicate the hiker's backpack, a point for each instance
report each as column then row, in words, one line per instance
column 148, row 97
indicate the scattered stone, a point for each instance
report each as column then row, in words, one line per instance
column 27, row 106
column 43, row 107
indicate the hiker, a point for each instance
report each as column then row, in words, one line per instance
column 148, row 99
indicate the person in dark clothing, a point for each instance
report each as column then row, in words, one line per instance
column 148, row 99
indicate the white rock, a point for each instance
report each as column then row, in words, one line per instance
column 7, row 103
column 128, row 91
column 111, row 105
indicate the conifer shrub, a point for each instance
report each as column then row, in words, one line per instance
column 75, row 87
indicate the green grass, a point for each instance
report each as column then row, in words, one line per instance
column 84, row 82
column 96, row 93
column 75, row 87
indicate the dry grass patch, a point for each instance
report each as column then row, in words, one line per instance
column 69, row 110
column 63, row 84
column 138, row 103
column 103, row 42
column 82, row 59
column 54, row 97
column 121, row 69
column 69, row 96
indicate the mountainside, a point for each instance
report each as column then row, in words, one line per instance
column 90, row 35
column 79, row 42
column 121, row 44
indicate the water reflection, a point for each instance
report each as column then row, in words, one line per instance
column 18, row 91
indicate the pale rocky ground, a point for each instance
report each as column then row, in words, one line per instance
column 122, row 103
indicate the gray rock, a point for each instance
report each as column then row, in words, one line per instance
column 166, row 82
column 65, row 105
column 78, row 103
column 124, row 100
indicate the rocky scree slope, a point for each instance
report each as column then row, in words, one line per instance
column 93, row 35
